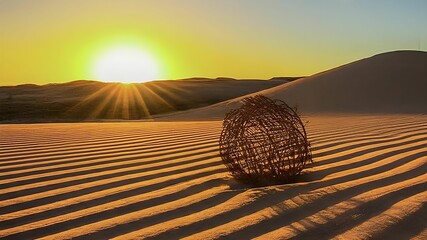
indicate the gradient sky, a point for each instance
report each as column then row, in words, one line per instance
column 48, row 41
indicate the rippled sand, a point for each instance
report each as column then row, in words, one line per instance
column 166, row 181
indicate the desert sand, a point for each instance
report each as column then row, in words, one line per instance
column 165, row 180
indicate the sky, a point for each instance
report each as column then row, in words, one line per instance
column 53, row 41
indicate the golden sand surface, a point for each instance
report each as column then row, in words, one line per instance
column 165, row 180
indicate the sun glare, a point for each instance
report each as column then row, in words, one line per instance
column 126, row 65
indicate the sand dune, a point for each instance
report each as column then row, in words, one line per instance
column 161, row 180
column 394, row 82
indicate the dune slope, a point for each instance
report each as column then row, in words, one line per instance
column 165, row 181
column 394, row 82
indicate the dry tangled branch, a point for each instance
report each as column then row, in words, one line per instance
column 264, row 142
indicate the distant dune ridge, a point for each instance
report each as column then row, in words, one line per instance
column 394, row 82
column 92, row 100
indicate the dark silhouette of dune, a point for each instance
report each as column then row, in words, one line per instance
column 92, row 100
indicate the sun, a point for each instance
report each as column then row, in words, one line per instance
column 126, row 65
